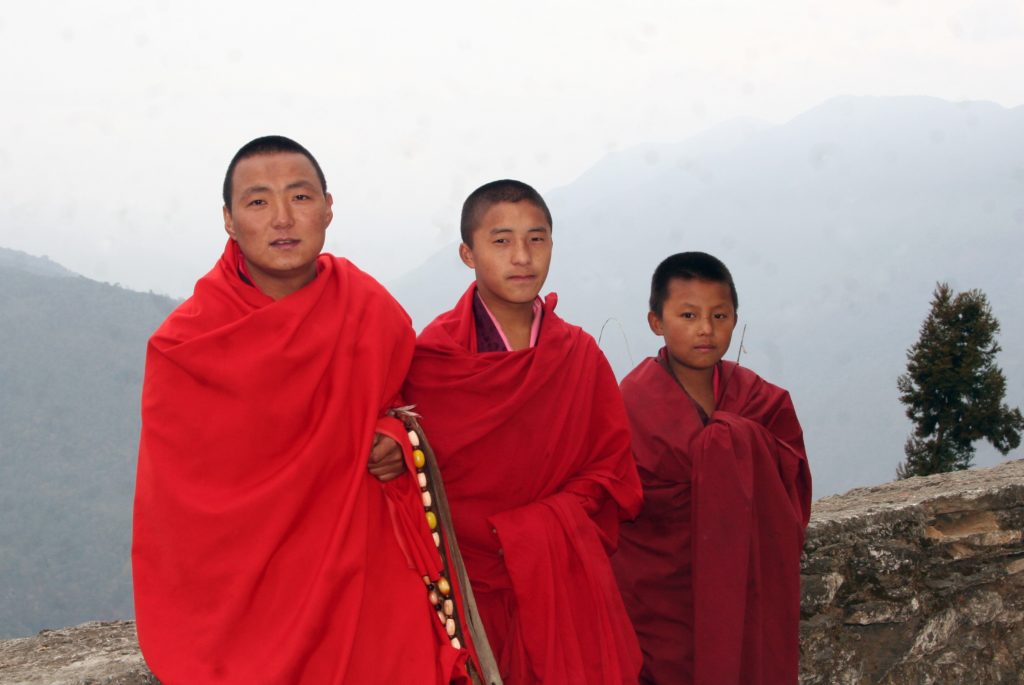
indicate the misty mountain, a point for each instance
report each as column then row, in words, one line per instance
column 42, row 266
column 70, row 378
column 836, row 226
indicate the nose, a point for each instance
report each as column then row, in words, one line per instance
column 704, row 325
column 521, row 252
column 282, row 215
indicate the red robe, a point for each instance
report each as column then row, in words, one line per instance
column 263, row 550
column 710, row 570
column 534, row 449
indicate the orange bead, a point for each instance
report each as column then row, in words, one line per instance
column 431, row 520
column 444, row 586
column 418, row 458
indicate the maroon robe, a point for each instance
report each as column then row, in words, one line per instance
column 710, row 570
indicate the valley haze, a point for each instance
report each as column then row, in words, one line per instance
column 836, row 225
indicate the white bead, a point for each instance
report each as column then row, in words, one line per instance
column 427, row 499
column 449, row 626
column 437, row 539
column 442, row 619
column 414, row 439
column 456, row 644
column 449, row 607
column 421, row 478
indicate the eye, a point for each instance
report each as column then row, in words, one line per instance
column 688, row 315
column 303, row 196
column 256, row 203
column 501, row 241
column 721, row 317
column 539, row 239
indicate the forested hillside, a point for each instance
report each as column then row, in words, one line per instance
column 70, row 376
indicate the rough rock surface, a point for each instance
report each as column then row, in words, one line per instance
column 94, row 653
column 915, row 582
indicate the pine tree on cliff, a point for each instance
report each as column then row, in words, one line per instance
column 953, row 388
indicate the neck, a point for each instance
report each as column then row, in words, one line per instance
column 278, row 288
column 514, row 318
column 698, row 383
column 694, row 380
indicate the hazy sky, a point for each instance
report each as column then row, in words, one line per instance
column 119, row 117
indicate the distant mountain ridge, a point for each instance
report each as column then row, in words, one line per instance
column 836, row 226
column 42, row 266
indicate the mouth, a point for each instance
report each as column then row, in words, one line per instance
column 521, row 278
column 285, row 242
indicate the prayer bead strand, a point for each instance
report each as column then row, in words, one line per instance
column 439, row 594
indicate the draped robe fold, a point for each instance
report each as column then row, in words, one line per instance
column 263, row 550
column 710, row 570
column 533, row 446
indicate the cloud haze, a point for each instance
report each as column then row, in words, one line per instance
column 119, row 118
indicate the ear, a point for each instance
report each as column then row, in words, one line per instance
column 654, row 321
column 329, row 214
column 466, row 255
column 228, row 223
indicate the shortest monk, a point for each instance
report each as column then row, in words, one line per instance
column 710, row 570
column 533, row 443
column 267, row 547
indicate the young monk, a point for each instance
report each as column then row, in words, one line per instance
column 532, row 440
column 267, row 547
column 710, row 570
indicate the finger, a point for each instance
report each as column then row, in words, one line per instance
column 387, row 472
column 382, row 453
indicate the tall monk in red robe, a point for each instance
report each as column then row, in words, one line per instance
column 278, row 538
column 710, row 569
column 532, row 440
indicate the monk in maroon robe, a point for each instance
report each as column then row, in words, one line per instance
column 267, row 546
column 532, row 440
column 710, row 570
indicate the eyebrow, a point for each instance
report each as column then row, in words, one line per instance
column 715, row 306
column 252, row 190
column 507, row 229
column 302, row 183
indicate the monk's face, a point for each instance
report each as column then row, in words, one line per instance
column 697, row 321
column 511, row 253
column 279, row 216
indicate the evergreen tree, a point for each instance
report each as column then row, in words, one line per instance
column 953, row 389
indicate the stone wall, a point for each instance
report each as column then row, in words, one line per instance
column 916, row 582
column 90, row 654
